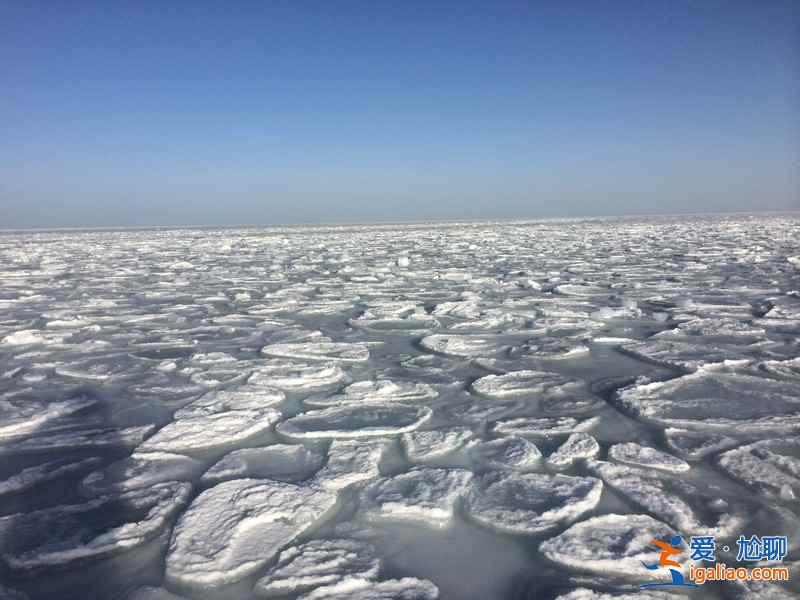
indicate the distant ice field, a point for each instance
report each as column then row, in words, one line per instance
column 462, row 411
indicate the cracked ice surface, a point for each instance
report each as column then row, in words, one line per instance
column 270, row 410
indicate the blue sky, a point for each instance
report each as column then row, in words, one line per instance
column 188, row 113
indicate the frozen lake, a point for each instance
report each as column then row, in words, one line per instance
column 464, row 411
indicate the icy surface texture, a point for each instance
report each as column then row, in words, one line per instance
column 637, row 455
column 611, row 545
column 531, row 502
column 236, row 527
column 351, row 461
column 771, row 467
column 319, row 563
column 425, row 446
column 425, row 495
column 62, row 535
column 452, row 410
column 140, row 470
column 284, row 462
column 576, row 447
column 363, row 420
column 505, row 453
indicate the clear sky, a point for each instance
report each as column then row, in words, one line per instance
column 270, row 112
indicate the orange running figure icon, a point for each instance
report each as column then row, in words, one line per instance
column 668, row 550
column 664, row 560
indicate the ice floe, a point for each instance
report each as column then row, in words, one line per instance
column 525, row 383
column 296, row 376
column 235, row 528
column 718, row 400
column 101, row 370
column 505, row 453
column 553, row 349
column 686, row 356
column 246, row 397
column 544, row 426
column 476, row 411
column 283, row 462
column 104, row 437
column 531, row 503
column 782, row 369
column 355, row 421
column 140, row 470
column 463, row 345
column 216, row 378
column 219, row 430
column 685, row 505
column 395, row 316
column 610, row 545
column 771, row 467
column 319, row 563
column 423, row 446
column 62, row 535
column 426, row 495
column 324, row 351
column 696, row 445
column 556, row 394
column 33, row 476
column 381, row 390
column 634, row 454
column 407, row 588
column 32, row 337
column 24, row 414
column 578, row 446
column 351, row 461
column 722, row 330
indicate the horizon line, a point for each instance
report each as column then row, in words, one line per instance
column 390, row 222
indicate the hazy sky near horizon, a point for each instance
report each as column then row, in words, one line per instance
column 189, row 113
